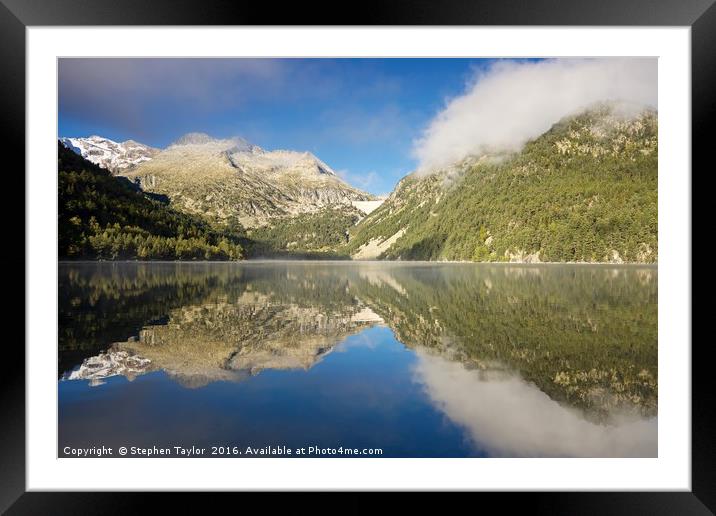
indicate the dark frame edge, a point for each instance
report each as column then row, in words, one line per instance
column 12, row 390
column 703, row 113
column 371, row 12
column 702, row 498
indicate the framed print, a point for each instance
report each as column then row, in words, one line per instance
column 421, row 249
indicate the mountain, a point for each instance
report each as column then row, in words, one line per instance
column 586, row 190
column 102, row 216
column 109, row 154
column 230, row 180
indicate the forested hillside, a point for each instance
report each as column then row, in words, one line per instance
column 321, row 232
column 106, row 217
column 586, row 190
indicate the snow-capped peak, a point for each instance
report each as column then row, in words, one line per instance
column 109, row 154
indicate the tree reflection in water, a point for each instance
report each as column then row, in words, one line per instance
column 565, row 350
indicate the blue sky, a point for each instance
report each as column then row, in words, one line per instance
column 361, row 116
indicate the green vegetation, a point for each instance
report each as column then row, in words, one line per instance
column 110, row 218
column 305, row 234
column 586, row 190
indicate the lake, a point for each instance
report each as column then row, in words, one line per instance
column 360, row 359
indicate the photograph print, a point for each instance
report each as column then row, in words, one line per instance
column 357, row 258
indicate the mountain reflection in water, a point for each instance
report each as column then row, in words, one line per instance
column 494, row 360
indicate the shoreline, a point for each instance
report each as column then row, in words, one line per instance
column 373, row 262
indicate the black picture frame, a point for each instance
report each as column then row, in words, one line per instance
column 17, row 15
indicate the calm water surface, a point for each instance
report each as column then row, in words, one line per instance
column 419, row 360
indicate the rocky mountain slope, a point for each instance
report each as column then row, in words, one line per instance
column 586, row 190
column 229, row 180
column 113, row 156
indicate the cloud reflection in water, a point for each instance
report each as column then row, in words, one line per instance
column 509, row 417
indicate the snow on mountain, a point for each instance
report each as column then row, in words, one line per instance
column 109, row 154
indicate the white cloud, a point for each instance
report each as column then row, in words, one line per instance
column 512, row 102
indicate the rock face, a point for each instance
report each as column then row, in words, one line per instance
column 222, row 179
column 113, row 156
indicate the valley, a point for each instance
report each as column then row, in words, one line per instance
column 584, row 191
